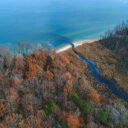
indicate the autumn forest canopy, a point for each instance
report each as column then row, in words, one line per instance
column 117, row 41
column 40, row 88
column 38, row 84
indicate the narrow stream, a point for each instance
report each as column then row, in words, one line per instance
column 94, row 72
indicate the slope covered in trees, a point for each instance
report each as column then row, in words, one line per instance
column 117, row 41
column 42, row 89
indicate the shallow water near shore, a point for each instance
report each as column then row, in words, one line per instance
column 58, row 22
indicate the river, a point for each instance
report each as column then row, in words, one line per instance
column 94, row 72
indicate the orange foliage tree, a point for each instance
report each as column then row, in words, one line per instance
column 48, row 75
column 33, row 69
column 93, row 96
column 40, row 56
column 64, row 59
column 73, row 121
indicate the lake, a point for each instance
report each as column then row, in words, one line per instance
column 56, row 22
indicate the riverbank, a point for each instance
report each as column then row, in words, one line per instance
column 82, row 72
column 105, row 61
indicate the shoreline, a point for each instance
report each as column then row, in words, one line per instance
column 78, row 43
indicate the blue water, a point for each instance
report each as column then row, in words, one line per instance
column 94, row 72
column 58, row 21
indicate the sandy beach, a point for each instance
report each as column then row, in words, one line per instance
column 75, row 44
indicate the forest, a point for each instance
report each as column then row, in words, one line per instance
column 117, row 41
column 42, row 89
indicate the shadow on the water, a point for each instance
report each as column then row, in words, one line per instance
column 54, row 39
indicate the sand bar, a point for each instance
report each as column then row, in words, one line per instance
column 76, row 44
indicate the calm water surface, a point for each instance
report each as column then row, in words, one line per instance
column 57, row 22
